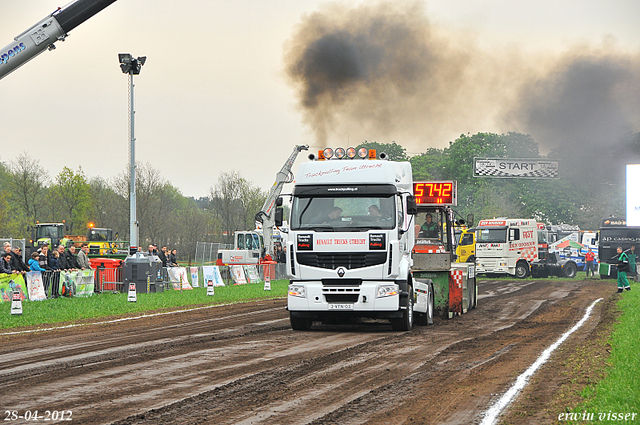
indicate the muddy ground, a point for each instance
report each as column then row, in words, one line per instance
column 242, row 364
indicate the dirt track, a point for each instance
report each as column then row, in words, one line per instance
column 243, row 364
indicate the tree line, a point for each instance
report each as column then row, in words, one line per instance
column 29, row 195
column 590, row 187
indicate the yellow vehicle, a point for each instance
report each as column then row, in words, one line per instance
column 102, row 244
column 466, row 248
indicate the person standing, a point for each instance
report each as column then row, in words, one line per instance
column 589, row 258
column 72, row 262
column 623, row 268
column 83, row 258
column 162, row 254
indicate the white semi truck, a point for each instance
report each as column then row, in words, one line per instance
column 350, row 249
column 518, row 247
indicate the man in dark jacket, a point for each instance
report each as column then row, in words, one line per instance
column 16, row 261
column 72, row 262
column 62, row 258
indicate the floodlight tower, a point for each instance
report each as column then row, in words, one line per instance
column 132, row 66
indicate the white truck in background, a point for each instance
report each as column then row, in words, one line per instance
column 506, row 246
column 518, row 247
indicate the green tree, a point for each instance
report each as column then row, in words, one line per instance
column 429, row 165
column 394, row 150
column 27, row 186
column 73, row 194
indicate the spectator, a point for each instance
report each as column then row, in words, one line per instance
column 54, row 262
column 5, row 263
column 172, row 261
column 281, row 257
column 83, row 258
column 151, row 250
column 17, row 261
column 72, row 262
column 589, row 259
column 34, row 264
column 61, row 258
column 163, row 255
column 44, row 257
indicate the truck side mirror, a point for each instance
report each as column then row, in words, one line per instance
column 279, row 216
column 470, row 218
column 279, row 201
column 412, row 208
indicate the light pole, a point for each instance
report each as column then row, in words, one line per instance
column 132, row 66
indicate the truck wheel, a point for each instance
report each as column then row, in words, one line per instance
column 299, row 323
column 522, row 270
column 570, row 270
column 472, row 296
column 405, row 323
column 425, row 319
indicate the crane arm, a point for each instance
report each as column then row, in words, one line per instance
column 267, row 214
column 45, row 33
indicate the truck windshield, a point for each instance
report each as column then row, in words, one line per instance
column 341, row 213
column 491, row 235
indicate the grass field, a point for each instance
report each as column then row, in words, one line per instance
column 70, row 310
column 619, row 392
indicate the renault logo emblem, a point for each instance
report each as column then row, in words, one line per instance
column 341, row 271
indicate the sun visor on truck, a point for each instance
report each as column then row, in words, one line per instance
column 346, row 190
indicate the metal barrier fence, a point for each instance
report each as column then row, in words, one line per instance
column 112, row 279
column 207, row 252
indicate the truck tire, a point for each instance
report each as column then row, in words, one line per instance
column 570, row 270
column 473, row 296
column 425, row 319
column 405, row 323
column 299, row 323
column 522, row 270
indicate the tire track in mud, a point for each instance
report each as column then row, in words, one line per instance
column 244, row 365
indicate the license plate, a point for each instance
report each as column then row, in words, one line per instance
column 335, row 306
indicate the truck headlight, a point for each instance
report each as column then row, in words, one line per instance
column 387, row 290
column 297, row 291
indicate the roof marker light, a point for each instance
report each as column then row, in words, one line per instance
column 351, row 153
column 328, row 153
column 363, row 153
column 340, row 153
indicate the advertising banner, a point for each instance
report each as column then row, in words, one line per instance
column 212, row 273
column 251, row 273
column 11, row 282
column 178, row 276
column 237, row 273
column 194, row 277
column 524, row 168
column 35, row 286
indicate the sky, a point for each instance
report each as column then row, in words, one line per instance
column 235, row 85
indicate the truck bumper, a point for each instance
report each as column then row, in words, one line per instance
column 361, row 301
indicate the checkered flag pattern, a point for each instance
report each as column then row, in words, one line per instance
column 456, row 275
column 536, row 174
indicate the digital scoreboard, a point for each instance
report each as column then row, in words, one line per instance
column 435, row 193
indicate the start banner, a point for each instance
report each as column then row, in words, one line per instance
column 531, row 168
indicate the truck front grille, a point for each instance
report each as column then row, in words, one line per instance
column 348, row 260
